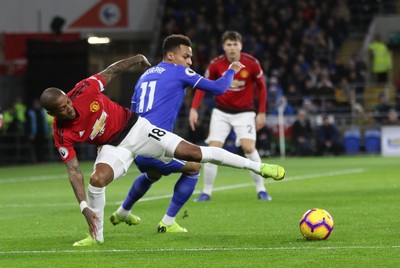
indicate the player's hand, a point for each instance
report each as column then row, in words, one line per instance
column 144, row 62
column 236, row 66
column 261, row 121
column 91, row 218
column 193, row 117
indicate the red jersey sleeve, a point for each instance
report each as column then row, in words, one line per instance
column 100, row 79
column 261, row 88
column 63, row 144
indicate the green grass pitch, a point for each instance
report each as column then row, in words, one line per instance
column 40, row 219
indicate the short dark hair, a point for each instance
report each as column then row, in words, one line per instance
column 173, row 42
column 231, row 35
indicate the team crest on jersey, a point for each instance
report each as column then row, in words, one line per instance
column 63, row 152
column 189, row 72
column 244, row 73
column 94, row 106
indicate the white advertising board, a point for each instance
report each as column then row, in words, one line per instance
column 390, row 140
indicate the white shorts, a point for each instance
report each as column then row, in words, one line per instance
column 143, row 139
column 221, row 123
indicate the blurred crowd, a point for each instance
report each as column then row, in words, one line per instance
column 25, row 131
column 295, row 41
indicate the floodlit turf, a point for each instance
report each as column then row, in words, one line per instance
column 40, row 219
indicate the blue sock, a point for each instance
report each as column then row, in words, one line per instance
column 139, row 187
column 183, row 190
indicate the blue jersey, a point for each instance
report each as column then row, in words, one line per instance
column 160, row 91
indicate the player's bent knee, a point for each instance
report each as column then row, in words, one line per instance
column 101, row 178
column 191, row 168
column 188, row 151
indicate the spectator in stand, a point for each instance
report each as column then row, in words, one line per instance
column 275, row 93
column 381, row 59
column 309, row 106
column 304, row 65
column 283, row 104
column 397, row 106
column 37, row 130
column 327, row 137
column 392, row 118
column 382, row 108
column 20, row 110
column 293, row 96
column 344, row 96
column 1, row 118
column 309, row 89
column 12, row 126
column 302, row 134
column 326, row 93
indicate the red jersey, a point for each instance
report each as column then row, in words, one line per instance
column 240, row 96
column 99, row 120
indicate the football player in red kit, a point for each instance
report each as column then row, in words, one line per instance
column 234, row 109
column 87, row 115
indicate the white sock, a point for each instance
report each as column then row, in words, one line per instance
column 97, row 202
column 123, row 212
column 210, row 173
column 168, row 220
column 258, row 180
column 220, row 156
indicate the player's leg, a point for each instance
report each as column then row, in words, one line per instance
column 149, row 140
column 183, row 190
column 219, row 131
column 210, row 174
column 221, row 157
column 245, row 129
column 153, row 169
column 138, row 189
column 111, row 163
column 150, row 174
column 251, row 153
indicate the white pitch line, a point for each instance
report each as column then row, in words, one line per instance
column 222, row 188
column 20, row 252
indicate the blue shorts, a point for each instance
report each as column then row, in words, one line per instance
column 148, row 163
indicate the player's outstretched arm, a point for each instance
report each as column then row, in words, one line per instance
column 123, row 65
column 222, row 84
column 78, row 185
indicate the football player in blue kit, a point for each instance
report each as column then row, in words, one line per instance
column 158, row 97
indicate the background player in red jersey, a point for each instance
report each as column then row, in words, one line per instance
column 87, row 115
column 234, row 109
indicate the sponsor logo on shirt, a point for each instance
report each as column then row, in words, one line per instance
column 81, row 133
column 99, row 126
column 237, row 85
column 94, row 106
column 63, row 152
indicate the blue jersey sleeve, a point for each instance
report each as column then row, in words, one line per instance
column 218, row 86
